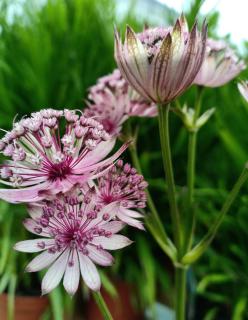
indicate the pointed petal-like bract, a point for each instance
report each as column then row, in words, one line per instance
column 72, row 275
column 36, row 245
column 243, row 89
column 55, row 273
column 43, row 260
column 117, row 241
column 125, row 69
column 89, row 273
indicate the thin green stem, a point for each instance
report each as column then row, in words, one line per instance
column 191, row 167
column 180, row 297
column 167, row 162
column 190, row 214
column 154, row 224
column 192, row 150
column 102, row 305
column 136, row 162
column 200, row 248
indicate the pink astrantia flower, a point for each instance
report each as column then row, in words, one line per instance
column 74, row 236
column 44, row 160
column 112, row 101
column 219, row 66
column 161, row 63
column 243, row 89
column 123, row 186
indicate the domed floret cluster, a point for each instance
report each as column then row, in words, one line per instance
column 75, row 233
column 50, row 152
column 112, row 101
column 124, row 186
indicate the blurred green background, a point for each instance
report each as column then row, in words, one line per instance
column 50, row 53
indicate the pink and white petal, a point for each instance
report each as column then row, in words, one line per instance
column 131, row 213
column 113, row 226
column 43, row 260
column 72, row 275
column 243, row 89
column 104, row 163
column 110, row 209
column 136, row 55
column 96, row 155
column 20, row 195
column 35, row 245
column 116, row 241
column 89, row 272
column 35, row 211
column 31, row 226
column 55, row 273
column 159, row 68
column 126, row 71
column 100, row 256
column 130, row 221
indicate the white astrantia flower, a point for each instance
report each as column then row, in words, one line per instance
column 50, row 152
column 74, row 235
column 220, row 65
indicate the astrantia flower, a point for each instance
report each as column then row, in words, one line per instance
column 74, row 236
column 161, row 63
column 243, row 89
column 219, row 66
column 50, row 152
column 112, row 101
column 124, row 186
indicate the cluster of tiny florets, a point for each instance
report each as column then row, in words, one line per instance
column 123, row 184
column 112, row 101
column 72, row 221
column 152, row 40
column 38, row 150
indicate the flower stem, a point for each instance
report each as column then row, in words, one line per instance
column 167, row 162
column 190, row 214
column 201, row 247
column 136, row 162
column 102, row 305
column 180, row 297
column 154, row 224
column 192, row 149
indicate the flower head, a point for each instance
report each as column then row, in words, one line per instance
column 243, row 89
column 112, row 101
column 161, row 63
column 124, row 186
column 50, row 152
column 219, row 66
column 74, row 236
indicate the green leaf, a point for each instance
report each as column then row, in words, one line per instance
column 240, row 309
column 212, row 279
column 211, row 314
